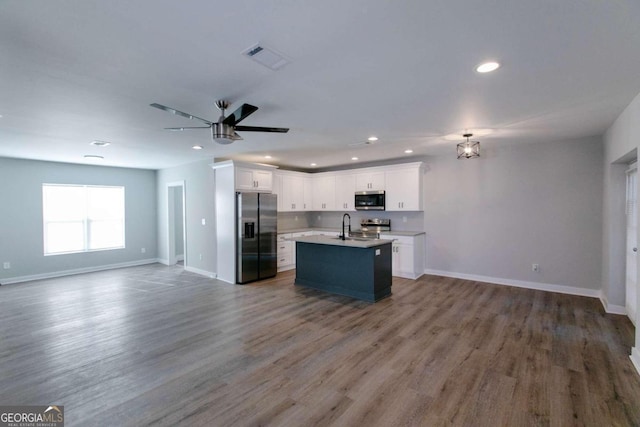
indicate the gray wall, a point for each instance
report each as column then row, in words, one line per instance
column 21, row 241
column 200, row 204
column 531, row 203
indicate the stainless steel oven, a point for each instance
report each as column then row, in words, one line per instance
column 369, row 201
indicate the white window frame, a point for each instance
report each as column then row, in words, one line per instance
column 86, row 221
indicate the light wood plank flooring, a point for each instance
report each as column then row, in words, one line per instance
column 156, row 345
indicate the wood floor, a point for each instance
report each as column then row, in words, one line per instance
column 155, row 345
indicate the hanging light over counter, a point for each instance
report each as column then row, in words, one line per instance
column 468, row 149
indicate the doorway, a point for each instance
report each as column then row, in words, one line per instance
column 176, row 232
column 631, row 248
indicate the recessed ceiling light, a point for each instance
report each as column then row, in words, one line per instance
column 354, row 158
column 267, row 156
column 93, row 157
column 197, row 147
column 372, row 138
column 409, row 151
column 100, row 143
column 487, row 67
column 313, row 164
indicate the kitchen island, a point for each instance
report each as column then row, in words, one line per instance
column 359, row 268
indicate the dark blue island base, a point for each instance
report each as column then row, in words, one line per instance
column 359, row 272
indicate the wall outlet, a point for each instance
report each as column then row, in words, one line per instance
column 204, row 221
column 535, row 268
column 143, row 250
column 200, row 257
column 319, row 217
column 404, row 219
column 295, row 218
column 6, row 265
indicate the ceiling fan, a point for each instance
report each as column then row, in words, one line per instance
column 224, row 130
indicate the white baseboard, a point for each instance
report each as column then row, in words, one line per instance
column 51, row 275
column 163, row 261
column 595, row 293
column 611, row 308
column 180, row 257
column 635, row 358
column 201, row 272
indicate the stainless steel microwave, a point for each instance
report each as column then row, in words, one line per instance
column 369, row 201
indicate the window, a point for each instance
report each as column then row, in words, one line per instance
column 82, row 218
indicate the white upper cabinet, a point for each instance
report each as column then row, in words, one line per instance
column 254, row 180
column 292, row 193
column 307, row 199
column 324, row 192
column 296, row 191
column 404, row 189
column 370, row 181
column 277, row 190
column 334, row 191
column 345, row 192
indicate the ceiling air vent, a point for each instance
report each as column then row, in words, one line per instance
column 266, row 57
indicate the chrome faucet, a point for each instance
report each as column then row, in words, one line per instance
column 342, row 236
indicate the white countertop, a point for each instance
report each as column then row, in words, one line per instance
column 328, row 240
column 337, row 230
column 402, row 233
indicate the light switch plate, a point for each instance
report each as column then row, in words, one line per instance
column 377, row 252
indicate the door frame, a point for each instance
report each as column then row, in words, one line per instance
column 171, row 241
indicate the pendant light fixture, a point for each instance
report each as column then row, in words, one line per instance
column 468, row 149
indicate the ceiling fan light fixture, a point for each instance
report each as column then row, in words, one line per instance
column 223, row 133
column 468, row 149
column 197, row 147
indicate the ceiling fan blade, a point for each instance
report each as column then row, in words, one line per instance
column 237, row 137
column 188, row 128
column 260, row 129
column 178, row 113
column 240, row 114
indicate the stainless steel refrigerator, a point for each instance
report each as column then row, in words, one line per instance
column 256, row 233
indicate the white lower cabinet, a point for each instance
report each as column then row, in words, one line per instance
column 287, row 249
column 284, row 252
column 407, row 255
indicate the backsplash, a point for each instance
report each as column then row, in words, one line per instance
column 291, row 220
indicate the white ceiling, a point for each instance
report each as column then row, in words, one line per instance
column 73, row 71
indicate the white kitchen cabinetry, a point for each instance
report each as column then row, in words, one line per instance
column 370, row 181
column 345, row 191
column 277, row 190
column 407, row 255
column 287, row 249
column 404, row 189
column 296, row 193
column 324, row 193
column 307, row 199
column 254, row 180
column 292, row 193
column 285, row 257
